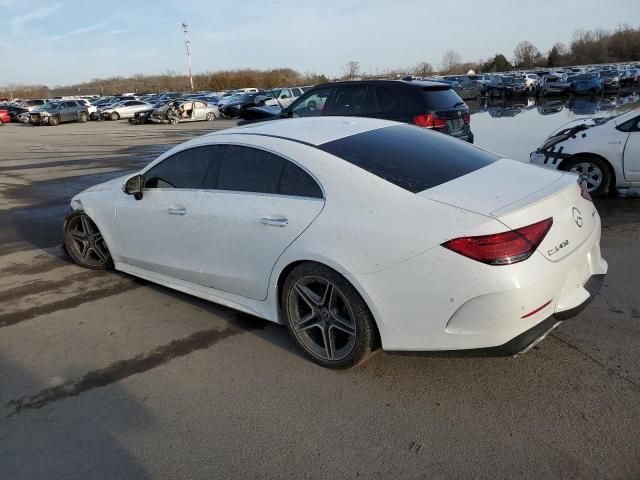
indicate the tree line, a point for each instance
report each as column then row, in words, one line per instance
column 586, row 47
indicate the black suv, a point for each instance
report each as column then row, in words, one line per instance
column 426, row 104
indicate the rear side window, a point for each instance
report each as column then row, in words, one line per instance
column 246, row 169
column 296, row 182
column 409, row 157
column 185, row 169
column 388, row 100
column 442, row 99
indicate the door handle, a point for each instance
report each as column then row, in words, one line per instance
column 177, row 210
column 275, row 221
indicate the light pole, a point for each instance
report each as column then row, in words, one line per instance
column 187, row 45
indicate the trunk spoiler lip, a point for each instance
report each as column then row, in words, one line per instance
column 568, row 179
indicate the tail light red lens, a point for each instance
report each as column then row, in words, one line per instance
column 504, row 248
column 467, row 118
column 429, row 120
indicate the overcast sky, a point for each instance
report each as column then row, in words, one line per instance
column 68, row 41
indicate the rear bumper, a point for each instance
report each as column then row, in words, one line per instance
column 526, row 340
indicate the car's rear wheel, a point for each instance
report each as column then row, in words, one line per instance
column 327, row 317
column 211, row 116
column 83, row 117
column 593, row 170
column 115, row 116
column 53, row 121
column 84, row 242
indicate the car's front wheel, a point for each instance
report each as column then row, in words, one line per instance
column 83, row 117
column 84, row 242
column 115, row 116
column 53, row 121
column 211, row 116
column 327, row 317
column 594, row 171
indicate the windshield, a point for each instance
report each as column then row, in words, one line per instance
column 49, row 105
column 609, row 73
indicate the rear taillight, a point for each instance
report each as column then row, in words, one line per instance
column 467, row 118
column 503, row 248
column 429, row 120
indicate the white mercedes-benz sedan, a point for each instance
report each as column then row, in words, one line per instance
column 356, row 234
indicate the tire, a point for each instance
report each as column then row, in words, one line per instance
column 327, row 318
column 53, row 121
column 83, row 117
column 595, row 170
column 211, row 116
column 114, row 116
column 84, row 242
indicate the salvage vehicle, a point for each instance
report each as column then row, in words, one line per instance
column 123, row 109
column 279, row 96
column 507, row 86
column 235, row 107
column 355, row 233
column 430, row 105
column 144, row 116
column 14, row 111
column 4, row 116
column 186, row 111
column 29, row 105
column 629, row 78
column 552, row 84
column 464, row 86
column 604, row 151
column 585, row 83
column 610, row 79
column 53, row 113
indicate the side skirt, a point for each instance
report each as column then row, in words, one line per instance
column 236, row 302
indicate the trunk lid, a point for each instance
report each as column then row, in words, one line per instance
column 517, row 195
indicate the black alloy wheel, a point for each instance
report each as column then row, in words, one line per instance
column 84, row 242
column 327, row 317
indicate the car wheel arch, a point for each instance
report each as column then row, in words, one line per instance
column 95, row 219
column 286, row 271
column 612, row 171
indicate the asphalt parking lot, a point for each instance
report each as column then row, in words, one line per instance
column 106, row 376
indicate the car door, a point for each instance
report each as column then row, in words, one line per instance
column 157, row 230
column 257, row 203
column 311, row 104
column 199, row 111
column 631, row 160
column 63, row 111
column 286, row 97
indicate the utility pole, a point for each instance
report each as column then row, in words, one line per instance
column 187, row 44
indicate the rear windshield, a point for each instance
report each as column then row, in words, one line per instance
column 442, row 98
column 410, row 157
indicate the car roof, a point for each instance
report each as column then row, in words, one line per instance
column 410, row 83
column 310, row 130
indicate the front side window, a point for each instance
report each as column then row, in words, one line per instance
column 185, row 169
column 311, row 105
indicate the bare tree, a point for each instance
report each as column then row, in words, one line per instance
column 450, row 61
column 423, row 69
column 352, row 70
column 526, row 55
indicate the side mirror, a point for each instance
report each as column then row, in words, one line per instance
column 133, row 186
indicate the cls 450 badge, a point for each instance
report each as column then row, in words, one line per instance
column 557, row 248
